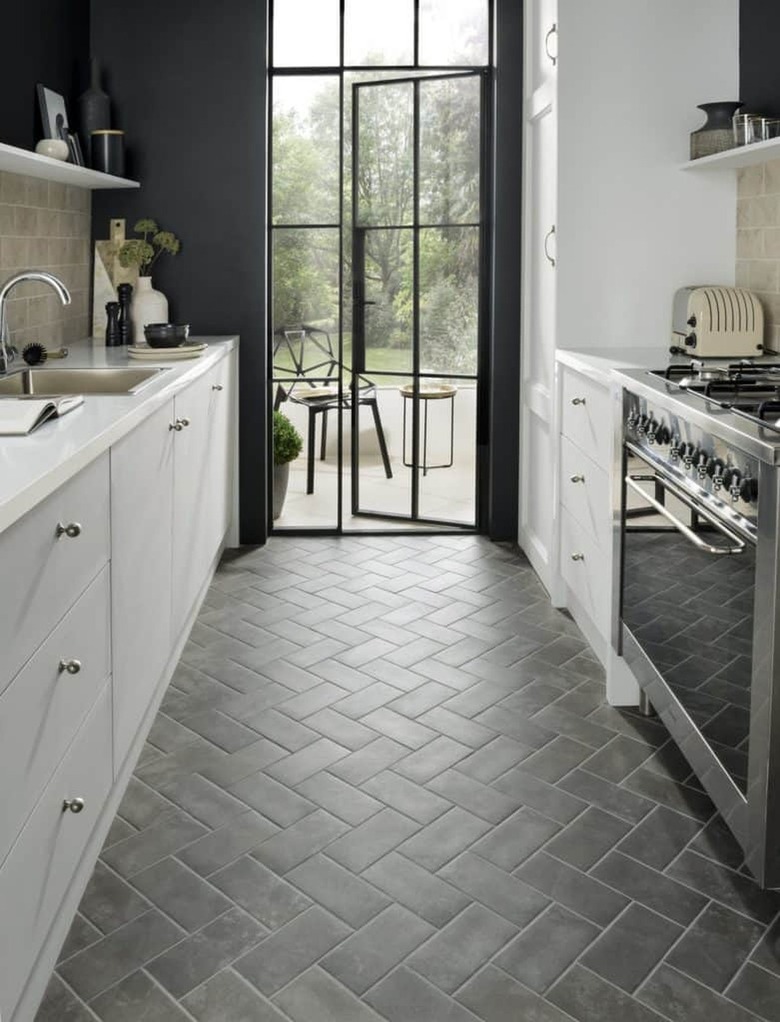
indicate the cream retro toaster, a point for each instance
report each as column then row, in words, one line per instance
column 717, row 322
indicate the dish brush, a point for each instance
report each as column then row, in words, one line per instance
column 36, row 354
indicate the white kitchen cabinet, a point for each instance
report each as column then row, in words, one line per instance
column 142, row 529
column 48, row 559
column 537, row 407
column 199, row 486
column 88, row 641
column 40, row 866
column 46, row 704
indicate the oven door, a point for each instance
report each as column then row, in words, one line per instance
column 687, row 615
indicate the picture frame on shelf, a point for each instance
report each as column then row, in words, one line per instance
column 54, row 114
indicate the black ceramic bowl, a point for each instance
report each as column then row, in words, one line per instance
column 166, row 335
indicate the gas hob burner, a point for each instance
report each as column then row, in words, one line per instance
column 750, row 387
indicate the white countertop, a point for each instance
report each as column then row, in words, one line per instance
column 32, row 467
column 598, row 363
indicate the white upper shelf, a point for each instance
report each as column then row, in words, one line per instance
column 735, row 159
column 21, row 161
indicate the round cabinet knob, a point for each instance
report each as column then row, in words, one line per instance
column 74, row 805
column 578, row 400
column 217, row 386
column 578, row 479
column 71, row 530
column 70, row 666
column 184, row 422
column 578, row 557
column 178, row 425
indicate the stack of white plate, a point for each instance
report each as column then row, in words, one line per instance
column 144, row 353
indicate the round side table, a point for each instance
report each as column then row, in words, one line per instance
column 430, row 392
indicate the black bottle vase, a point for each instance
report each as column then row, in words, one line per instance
column 717, row 135
column 94, row 108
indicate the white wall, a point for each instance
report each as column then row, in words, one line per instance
column 631, row 226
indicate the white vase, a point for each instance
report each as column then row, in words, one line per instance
column 148, row 306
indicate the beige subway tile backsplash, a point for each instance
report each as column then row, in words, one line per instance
column 758, row 241
column 46, row 226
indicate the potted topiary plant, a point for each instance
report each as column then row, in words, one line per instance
column 288, row 443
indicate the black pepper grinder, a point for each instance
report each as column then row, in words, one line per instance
column 113, row 333
column 125, row 292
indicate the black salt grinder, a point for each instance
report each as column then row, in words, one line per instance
column 125, row 292
column 113, row 334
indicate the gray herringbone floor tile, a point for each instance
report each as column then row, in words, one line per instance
column 384, row 786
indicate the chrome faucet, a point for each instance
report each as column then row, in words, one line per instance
column 7, row 353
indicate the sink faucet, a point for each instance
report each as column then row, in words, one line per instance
column 6, row 351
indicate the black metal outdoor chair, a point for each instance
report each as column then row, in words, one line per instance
column 314, row 383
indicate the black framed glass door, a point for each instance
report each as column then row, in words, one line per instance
column 418, row 281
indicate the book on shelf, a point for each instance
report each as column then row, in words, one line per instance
column 20, row 416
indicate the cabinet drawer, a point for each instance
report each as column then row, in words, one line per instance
column 44, row 706
column 41, row 865
column 586, row 417
column 587, row 571
column 585, row 493
column 50, row 571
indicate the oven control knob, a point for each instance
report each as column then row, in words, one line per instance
column 748, row 491
column 715, row 469
column 691, row 340
column 663, row 435
column 692, row 321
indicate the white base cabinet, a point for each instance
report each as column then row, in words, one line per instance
column 115, row 565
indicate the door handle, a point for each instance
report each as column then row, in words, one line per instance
column 553, row 58
column 550, row 234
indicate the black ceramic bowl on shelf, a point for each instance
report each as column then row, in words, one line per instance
column 166, row 335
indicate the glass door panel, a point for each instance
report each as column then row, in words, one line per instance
column 417, row 274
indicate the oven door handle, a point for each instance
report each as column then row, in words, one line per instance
column 739, row 545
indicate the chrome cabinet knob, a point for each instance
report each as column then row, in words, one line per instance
column 578, row 557
column 184, row 422
column 71, row 530
column 179, row 424
column 75, row 805
column 217, row 386
column 578, row 479
column 578, row 400
column 70, row 666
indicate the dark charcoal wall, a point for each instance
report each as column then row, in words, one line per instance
column 187, row 82
column 42, row 41
column 502, row 496
column 759, row 55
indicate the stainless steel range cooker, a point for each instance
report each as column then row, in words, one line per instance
column 697, row 612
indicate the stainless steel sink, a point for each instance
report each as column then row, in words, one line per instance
column 53, row 382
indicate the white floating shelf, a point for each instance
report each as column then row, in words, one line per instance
column 735, row 159
column 22, row 161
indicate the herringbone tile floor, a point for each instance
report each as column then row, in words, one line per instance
column 384, row 784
